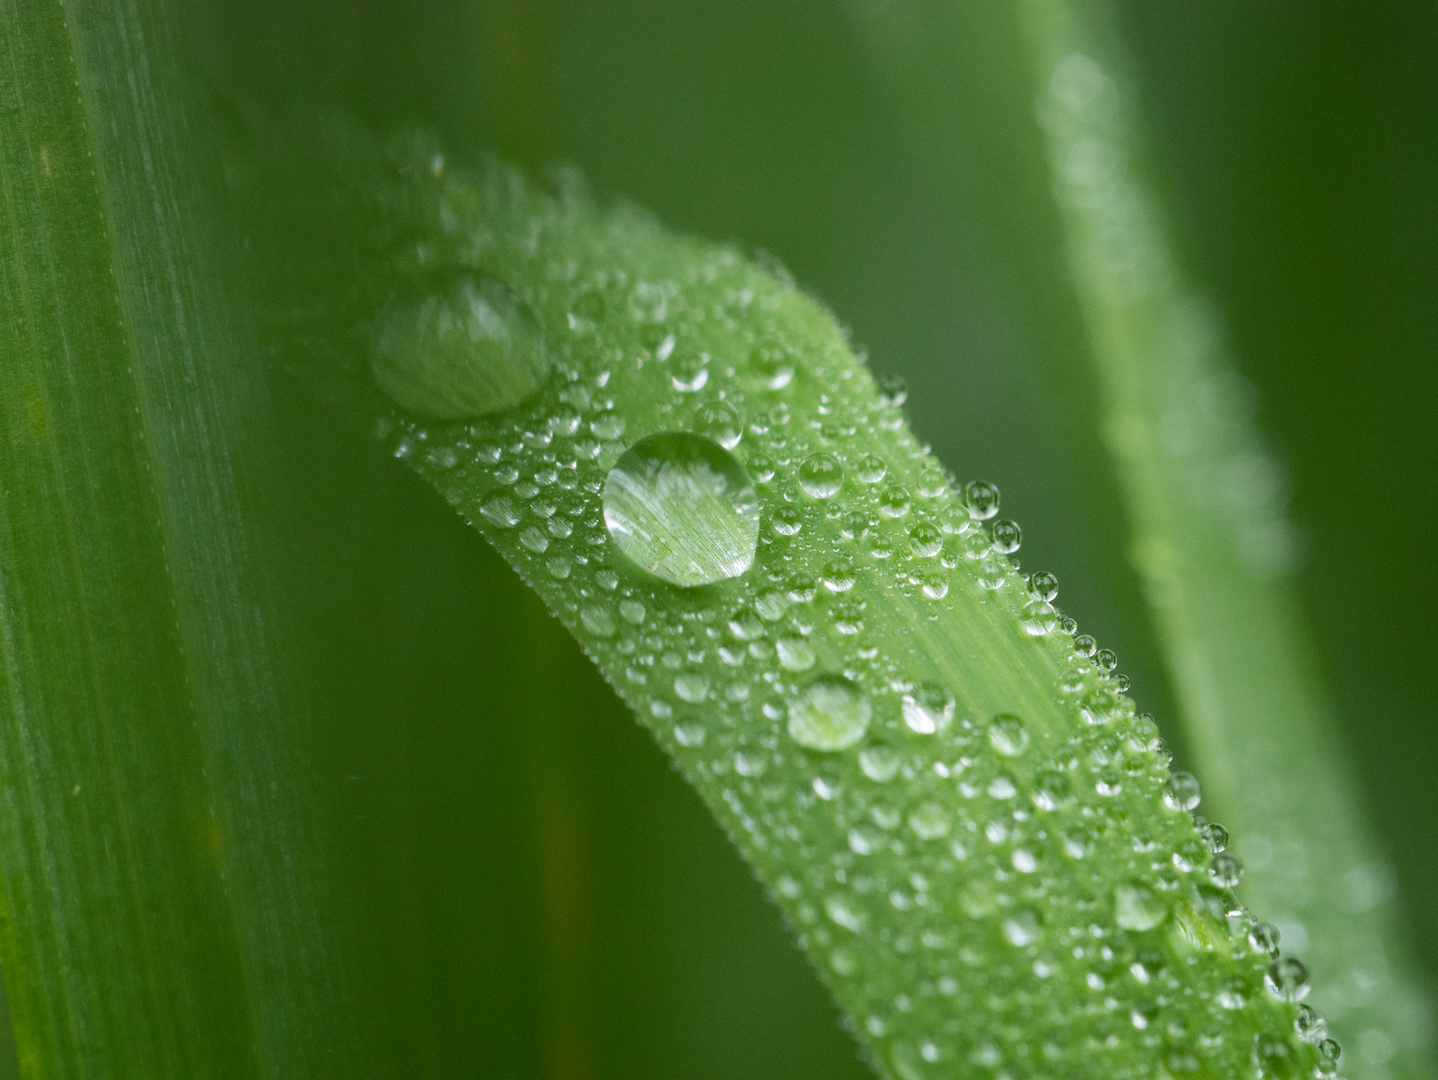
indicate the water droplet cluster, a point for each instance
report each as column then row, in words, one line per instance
column 945, row 788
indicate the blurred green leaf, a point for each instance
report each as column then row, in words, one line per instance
column 163, row 901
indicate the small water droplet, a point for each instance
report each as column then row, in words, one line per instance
column 894, row 501
column 1226, row 870
column 1137, row 907
column 692, row 687
column 1182, row 792
column 787, row 521
column 843, row 914
column 929, row 709
column 500, row 511
column 1264, row 938
column 838, row 576
column 893, row 390
column 1309, row 1026
column 469, row 347
column 821, row 475
column 795, row 654
column 929, row 822
column 1039, row 618
column 689, row 734
column 1008, row 735
column 879, row 762
column 745, row 625
column 926, row 539
column 720, row 421
column 935, row 586
column 982, row 499
column 1215, row 836
column 871, row 469
column 1044, row 585
column 1287, row 979
column 1022, row 928
column 772, row 366
column 761, row 467
column 750, row 765
column 690, row 372
column 1051, row 790
column 1007, row 537
column 683, row 508
column 1274, row 1058
column 648, row 303
column 597, row 621
column 830, row 714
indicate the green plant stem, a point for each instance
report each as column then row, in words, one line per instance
column 1209, row 539
column 161, row 894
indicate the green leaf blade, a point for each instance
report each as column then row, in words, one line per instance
column 978, row 891
column 160, row 882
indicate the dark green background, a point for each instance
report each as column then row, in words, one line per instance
column 546, row 897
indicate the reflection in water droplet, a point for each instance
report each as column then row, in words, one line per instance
column 821, row 475
column 1007, row 537
column 829, row 714
column 680, row 506
column 467, row 348
column 871, row 469
column 1044, row 585
column 982, row 499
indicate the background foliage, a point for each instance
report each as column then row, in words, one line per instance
column 548, row 899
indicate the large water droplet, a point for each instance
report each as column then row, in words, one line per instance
column 467, row 348
column 829, row 714
column 683, row 508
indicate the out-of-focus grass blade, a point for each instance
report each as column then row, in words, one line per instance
column 160, row 913
column 1210, row 540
